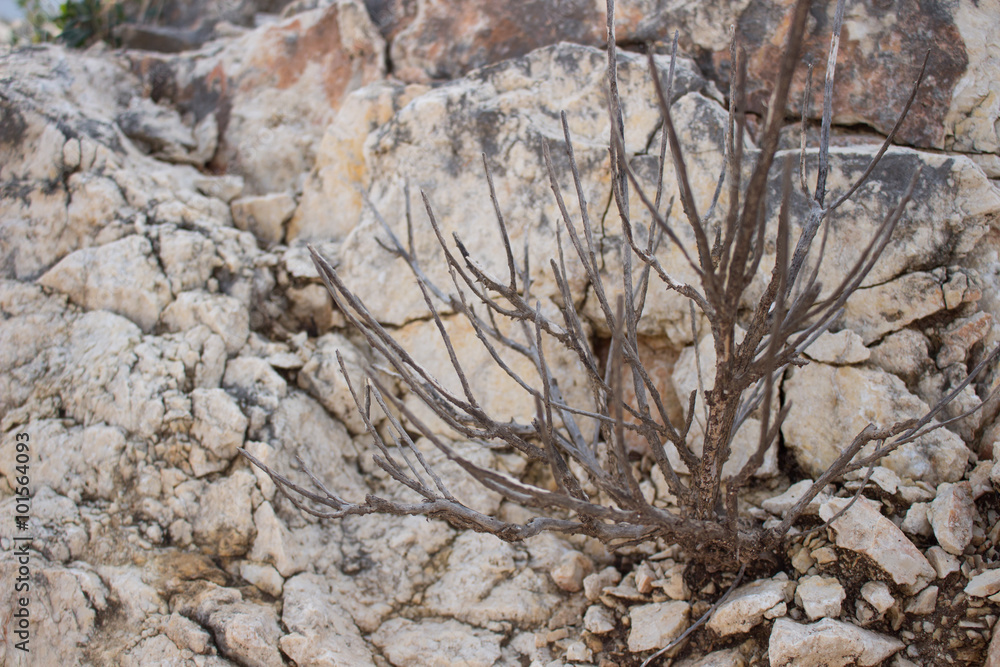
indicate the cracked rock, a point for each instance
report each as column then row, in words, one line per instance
column 827, row 643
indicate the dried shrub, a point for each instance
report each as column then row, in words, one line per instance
column 597, row 492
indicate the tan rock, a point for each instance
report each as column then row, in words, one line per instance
column 320, row 630
column 862, row 528
column 571, row 570
column 876, row 311
column 820, row 596
column 833, row 404
column 952, row 515
column 984, row 584
column 746, row 606
column 843, row 347
column 122, row 277
column 264, row 216
column 656, row 625
column 827, row 643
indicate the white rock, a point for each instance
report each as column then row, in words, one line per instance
column 322, row 378
column 224, row 521
column 952, row 514
column 121, row 277
column 984, row 584
column 571, row 570
column 843, row 347
column 943, row 562
column 274, row 544
column 594, row 584
column 876, row 311
column 219, row 424
column 780, row 504
column 656, row 625
column 833, row 404
column 187, row 634
column 904, row 353
column 862, row 528
column 253, row 379
column 222, row 314
column 820, row 596
column 598, row 620
column 263, row 576
column 725, row 658
column 876, row 593
column 188, row 259
column 321, row 632
column 483, row 583
column 924, row 603
column 915, row 522
column 264, row 216
column 226, row 187
column 439, row 643
column 827, row 643
column 746, row 606
column 79, row 462
column 247, row 634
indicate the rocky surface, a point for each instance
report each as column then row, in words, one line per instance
column 158, row 311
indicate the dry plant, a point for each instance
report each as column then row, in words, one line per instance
column 583, row 446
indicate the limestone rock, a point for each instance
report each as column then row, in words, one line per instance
column 160, row 131
column 831, row 405
column 725, row 658
column 224, row 522
column 827, row 643
column 322, row 378
column 915, row 522
column 330, row 207
column 320, row 631
column 952, row 515
column 820, row 596
column 504, row 111
column 226, row 187
column 186, row 634
column 961, row 335
column 876, row 311
column 943, row 562
column 79, row 461
column 656, row 625
column 746, row 606
column 924, row 603
column 952, row 116
column 843, row 347
column 440, row 643
column 245, row 632
column 483, row 583
column 255, row 80
column 984, row 584
column 219, row 424
column 188, row 259
column 121, row 276
column 264, row 216
column 598, row 620
column 55, row 589
column 862, row 528
column 903, row 353
column 273, row 543
column 594, row 584
column 571, row 570
column 222, row 314
column 876, row 593
column 781, row 504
